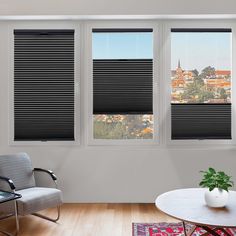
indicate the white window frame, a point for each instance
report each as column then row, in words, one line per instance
column 167, row 74
column 156, row 83
column 161, row 81
column 77, row 98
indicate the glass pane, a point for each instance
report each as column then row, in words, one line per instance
column 122, row 45
column 201, row 67
column 123, row 126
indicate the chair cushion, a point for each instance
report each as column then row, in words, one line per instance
column 37, row 199
column 18, row 168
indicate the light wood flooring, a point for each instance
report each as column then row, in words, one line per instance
column 89, row 220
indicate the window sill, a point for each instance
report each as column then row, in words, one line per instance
column 124, row 142
column 44, row 143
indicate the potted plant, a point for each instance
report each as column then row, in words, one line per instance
column 217, row 184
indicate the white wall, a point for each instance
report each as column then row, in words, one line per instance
column 100, row 174
column 121, row 7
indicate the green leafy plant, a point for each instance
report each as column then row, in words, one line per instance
column 213, row 179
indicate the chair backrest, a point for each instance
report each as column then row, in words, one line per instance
column 19, row 169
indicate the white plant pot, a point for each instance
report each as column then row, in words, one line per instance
column 216, row 197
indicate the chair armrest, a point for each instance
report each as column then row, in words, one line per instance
column 48, row 172
column 9, row 181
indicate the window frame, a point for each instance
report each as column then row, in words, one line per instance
column 89, row 85
column 77, row 97
column 167, row 74
column 161, row 82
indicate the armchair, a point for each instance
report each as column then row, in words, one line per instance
column 17, row 174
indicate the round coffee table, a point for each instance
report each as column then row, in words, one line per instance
column 188, row 205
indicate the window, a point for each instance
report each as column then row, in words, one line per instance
column 43, row 85
column 201, row 83
column 122, row 83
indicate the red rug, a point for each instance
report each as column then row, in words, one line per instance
column 168, row 229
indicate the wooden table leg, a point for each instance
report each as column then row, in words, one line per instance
column 205, row 234
column 209, row 230
column 184, row 226
column 224, row 231
column 190, row 232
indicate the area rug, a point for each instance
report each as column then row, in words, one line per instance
column 168, row 229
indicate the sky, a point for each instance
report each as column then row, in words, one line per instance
column 194, row 50
column 122, row 46
column 199, row 50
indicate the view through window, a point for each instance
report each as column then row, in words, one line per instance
column 201, row 83
column 122, row 73
column 201, row 67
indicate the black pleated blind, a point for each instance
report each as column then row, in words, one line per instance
column 201, row 121
column 201, row 30
column 44, row 85
column 122, row 86
column 122, row 30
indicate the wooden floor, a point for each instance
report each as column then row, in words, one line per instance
column 89, row 220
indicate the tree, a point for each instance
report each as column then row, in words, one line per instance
column 199, row 81
column 195, row 72
column 205, row 95
column 109, row 129
column 197, row 78
column 122, row 127
column 196, row 92
column 208, row 73
column 223, row 94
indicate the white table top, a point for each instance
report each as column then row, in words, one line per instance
column 189, row 205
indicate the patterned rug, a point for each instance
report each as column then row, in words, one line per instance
column 168, row 229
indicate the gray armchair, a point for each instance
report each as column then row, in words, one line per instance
column 16, row 173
